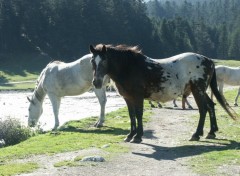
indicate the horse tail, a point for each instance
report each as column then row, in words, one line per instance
column 215, row 91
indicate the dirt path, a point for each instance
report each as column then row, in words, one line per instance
column 160, row 153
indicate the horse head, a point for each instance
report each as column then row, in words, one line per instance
column 34, row 112
column 99, row 63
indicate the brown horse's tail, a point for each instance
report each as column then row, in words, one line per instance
column 214, row 88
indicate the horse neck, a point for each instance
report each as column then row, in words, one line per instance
column 39, row 94
column 120, row 66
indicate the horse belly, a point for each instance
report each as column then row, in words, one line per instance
column 165, row 95
column 71, row 91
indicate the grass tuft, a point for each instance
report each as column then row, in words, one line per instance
column 12, row 132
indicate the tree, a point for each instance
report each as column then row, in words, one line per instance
column 234, row 49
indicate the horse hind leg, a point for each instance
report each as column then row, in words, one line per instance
column 55, row 100
column 236, row 99
column 213, row 120
column 174, row 103
column 200, row 99
column 151, row 104
column 101, row 96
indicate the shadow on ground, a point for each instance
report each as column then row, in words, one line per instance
column 173, row 153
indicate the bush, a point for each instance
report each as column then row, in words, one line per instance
column 12, row 132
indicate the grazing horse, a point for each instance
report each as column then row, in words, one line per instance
column 60, row 79
column 230, row 76
column 139, row 77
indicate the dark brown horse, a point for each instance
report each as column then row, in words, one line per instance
column 139, row 77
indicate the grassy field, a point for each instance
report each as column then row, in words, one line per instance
column 75, row 135
column 27, row 68
column 224, row 152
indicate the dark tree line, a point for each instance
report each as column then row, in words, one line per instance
column 65, row 28
column 213, row 25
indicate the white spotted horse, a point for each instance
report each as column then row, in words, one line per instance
column 138, row 77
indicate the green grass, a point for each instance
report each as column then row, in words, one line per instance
column 72, row 136
column 27, row 68
column 14, row 168
column 232, row 63
column 225, row 150
column 19, row 86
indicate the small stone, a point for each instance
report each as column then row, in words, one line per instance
column 93, row 158
column 106, row 146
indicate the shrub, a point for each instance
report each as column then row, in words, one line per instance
column 13, row 132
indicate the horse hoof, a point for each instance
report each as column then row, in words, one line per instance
column 98, row 125
column 194, row 138
column 136, row 140
column 235, row 104
column 190, row 107
column 127, row 139
column 211, row 136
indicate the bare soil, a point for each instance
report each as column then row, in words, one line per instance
column 165, row 150
column 160, row 153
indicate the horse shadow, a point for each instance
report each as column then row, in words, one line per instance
column 92, row 129
column 173, row 153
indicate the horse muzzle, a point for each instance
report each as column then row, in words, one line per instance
column 31, row 124
column 97, row 83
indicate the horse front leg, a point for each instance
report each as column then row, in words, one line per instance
column 55, row 100
column 132, row 115
column 139, row 115
column 102, row 99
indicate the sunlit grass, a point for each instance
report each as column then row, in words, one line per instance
column 75, row 135
column 14, row 168
column 232, row 63
column 225, row 150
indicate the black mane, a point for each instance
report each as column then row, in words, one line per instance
column 122, row 48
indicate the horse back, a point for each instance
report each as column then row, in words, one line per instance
column 68, row 78
column 228, row 75
column 177, row 74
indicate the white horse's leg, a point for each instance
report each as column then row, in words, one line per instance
column 174, row 103
column 55, row 105
column 236, row 99
column 101, row 95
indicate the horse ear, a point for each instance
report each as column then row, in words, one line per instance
column 104, row 49
column 92, row 49
column 29, row 99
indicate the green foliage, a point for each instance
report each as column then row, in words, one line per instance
column 63, row 29
column 12, row 132
column 214, row 26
